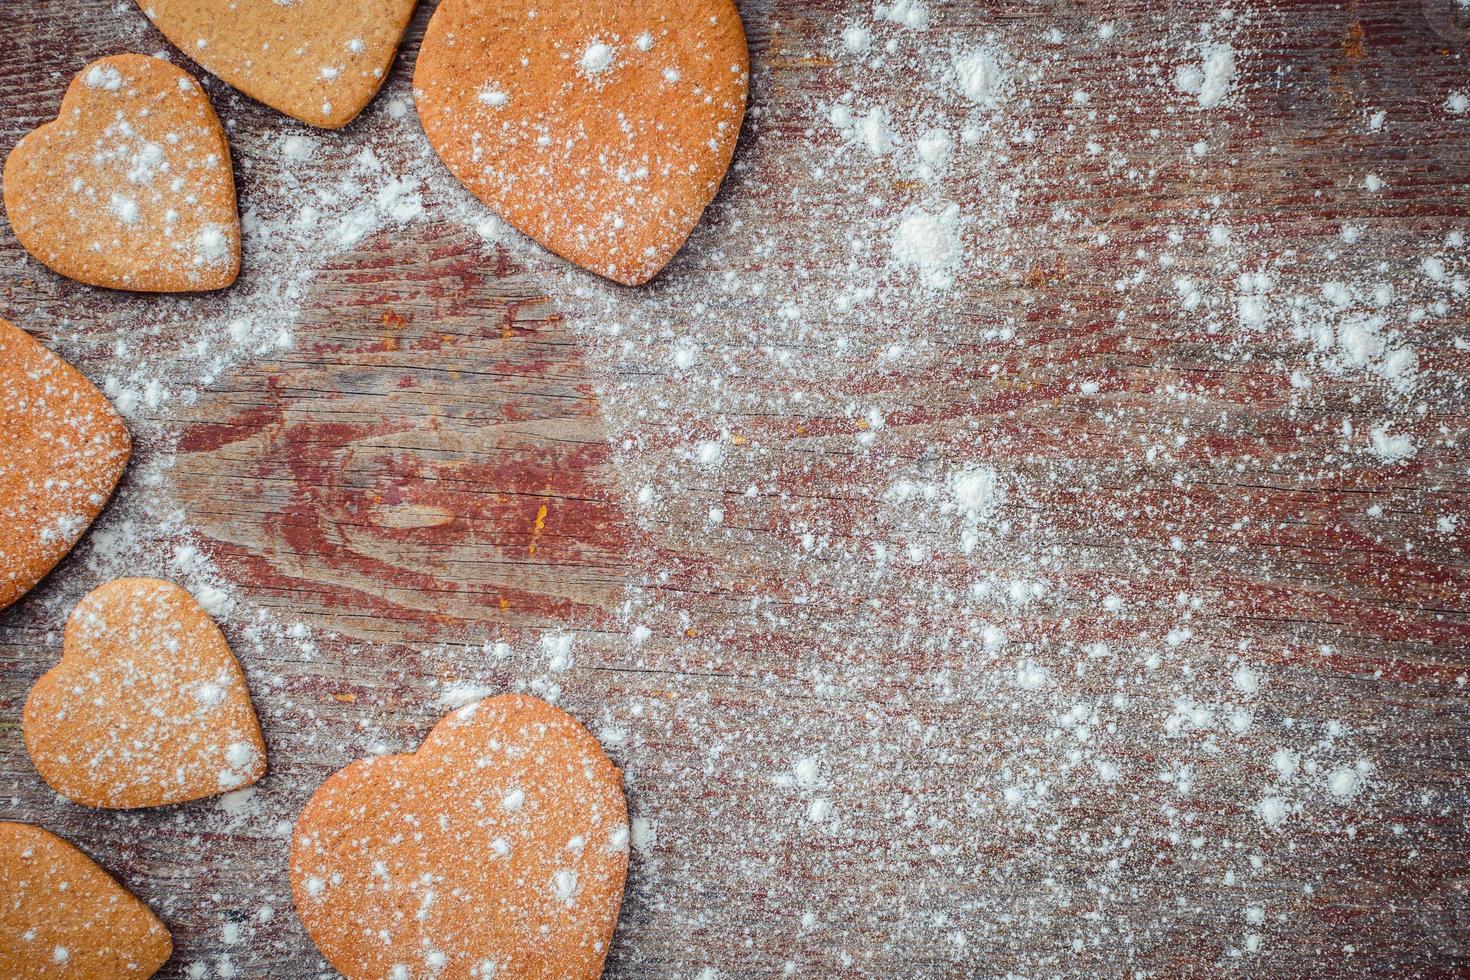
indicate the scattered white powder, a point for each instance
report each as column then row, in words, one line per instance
column 1210, row 81
column 643, row 832
column 913, row 14
column 564, row 886
column 1348, row 341
column 1391, row 447
column 874, row 133
column 1342, row 782
column 297, row 147
column 1252, row 306
column 1272, row 811
column 209, row 694
column 146, row 163
column 104, row 77
column 598, row 58
column 239, row 756
column 930, row 244
column 557, row 648
column 935, row 149
column 461, row 693
column 400, row 201
column 977, row 75
column 1030, row 676
column 126, row 208
column 709, row 453
column 211, row 246
column 975, row 491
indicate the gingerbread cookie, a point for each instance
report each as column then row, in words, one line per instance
column 147, row 707
column 131, row 186
column 63, row 916
column 498, row 849
column 320, row 61
column 602, row 130
column 65, row 449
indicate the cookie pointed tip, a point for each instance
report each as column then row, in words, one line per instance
column 327, row 120
column 633, row 276
column 633, row 279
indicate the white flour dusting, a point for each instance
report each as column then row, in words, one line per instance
column 1017, row 722
column 1212, row 79
column 930, row 243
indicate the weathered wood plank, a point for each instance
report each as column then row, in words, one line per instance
column 1028, row 718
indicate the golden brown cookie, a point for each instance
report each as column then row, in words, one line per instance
column 602, row 130
column 147, row 707
column 65, row 448
column 63, row 916
column 498, row 849
column 321, row 61
column 131, row 186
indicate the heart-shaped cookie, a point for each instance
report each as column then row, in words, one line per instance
column 602, row 130
column 498, row 849
column 63, row 916
column 65, row 449
column 320, row 61
column 147, row 707
column 131, row 186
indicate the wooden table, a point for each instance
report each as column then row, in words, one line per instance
column 1050, row 723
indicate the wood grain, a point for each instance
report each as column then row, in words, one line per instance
column 450, row 456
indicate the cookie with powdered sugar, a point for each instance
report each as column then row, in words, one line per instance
column 602, row 130
column 65, row 450
column 131, row 186
column 147, row 705
column 63, row 916
column 320, row 61
column 498, row 849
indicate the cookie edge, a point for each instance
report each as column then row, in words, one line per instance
column 23, row 828
column 119, row 427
